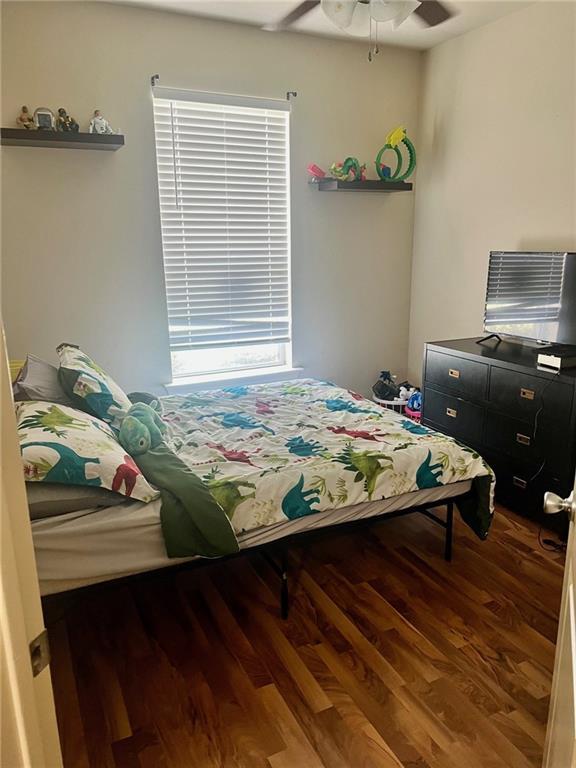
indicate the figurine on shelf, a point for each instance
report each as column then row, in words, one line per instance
column 396, row 139
column 99, row 124
column 349, row 170
column 315, row 172
column 66, row 123
column 25, row 120
column 44, row 119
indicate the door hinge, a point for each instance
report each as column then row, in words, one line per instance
column 40, row 652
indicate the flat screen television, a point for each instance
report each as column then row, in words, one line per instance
column 532, row 296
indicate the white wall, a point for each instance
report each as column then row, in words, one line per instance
column 497, row 162
column 81, row 236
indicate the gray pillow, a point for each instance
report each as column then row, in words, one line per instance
column 53, row 499
column 38, row 380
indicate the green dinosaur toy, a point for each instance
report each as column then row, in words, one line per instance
column 141, row 429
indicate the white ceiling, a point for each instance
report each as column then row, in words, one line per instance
column 469, row 14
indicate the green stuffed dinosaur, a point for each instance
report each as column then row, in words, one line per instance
column 141, row 429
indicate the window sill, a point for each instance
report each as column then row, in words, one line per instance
column 249, row 376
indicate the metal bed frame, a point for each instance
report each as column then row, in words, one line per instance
column 276, row 553
column 280, row 566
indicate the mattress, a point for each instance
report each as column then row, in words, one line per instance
column 91, row 546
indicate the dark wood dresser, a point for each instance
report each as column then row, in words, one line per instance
column 521, row 419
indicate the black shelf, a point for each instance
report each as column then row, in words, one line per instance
column 20, row 137
column 336, row 185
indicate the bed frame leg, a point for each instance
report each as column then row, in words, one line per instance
column 449, row 531
column 284, row 601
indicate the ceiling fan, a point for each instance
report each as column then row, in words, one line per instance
column 345, row 13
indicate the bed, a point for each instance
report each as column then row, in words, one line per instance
column 281, row 459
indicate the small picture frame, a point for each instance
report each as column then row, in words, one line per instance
column 44, row 119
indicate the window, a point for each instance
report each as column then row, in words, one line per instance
column 223, row 177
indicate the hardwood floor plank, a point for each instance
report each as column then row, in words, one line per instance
column 515, row 734
column 362, row 646
column 72, row 738
column 297, row 749
column 141, row 750
column 391, row 657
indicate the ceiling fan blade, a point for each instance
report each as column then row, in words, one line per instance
column 405, row 11
column 300, row 10
column 433, row 12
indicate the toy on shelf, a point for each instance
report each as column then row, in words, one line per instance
column 349, row 170
column 99, row 124
column 315, row 172
column 25, row 120
column 44, row 119
column 394, row 141
column 66, row 123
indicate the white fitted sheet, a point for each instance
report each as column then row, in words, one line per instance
column 91, row 546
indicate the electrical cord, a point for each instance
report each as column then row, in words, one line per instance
column 540, row 409
column 549, row 545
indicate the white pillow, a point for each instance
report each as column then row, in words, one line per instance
column 63, row 445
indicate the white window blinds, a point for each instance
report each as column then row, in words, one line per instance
column 524, row 287
column 223, row 176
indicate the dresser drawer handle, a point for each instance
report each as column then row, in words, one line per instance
column 522, row 439
column 453, row 373
column 520, row 483
column 452, row 412
column 527, row 394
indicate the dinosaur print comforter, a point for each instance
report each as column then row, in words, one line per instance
column 278, row 451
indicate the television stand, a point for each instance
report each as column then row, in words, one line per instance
column 490, row 336
column 520, row 418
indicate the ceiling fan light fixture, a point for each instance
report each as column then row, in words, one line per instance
column 340, row 12
column 384, row 10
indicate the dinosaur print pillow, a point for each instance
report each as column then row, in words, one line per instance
column 90, row 387
column 60, row 444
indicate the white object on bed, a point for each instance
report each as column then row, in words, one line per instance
column 91, row 546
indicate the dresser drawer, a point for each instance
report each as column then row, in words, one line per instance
column 512, row 437
column 522, row 488
column 464, row 376
column 516, row 438
column 454, row 416
column 522, row 396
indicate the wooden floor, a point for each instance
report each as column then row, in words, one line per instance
column 390, row 657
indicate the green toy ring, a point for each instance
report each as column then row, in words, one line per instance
column 398, row 175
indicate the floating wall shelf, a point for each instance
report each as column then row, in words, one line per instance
column 335, row 185
column 19, row 137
